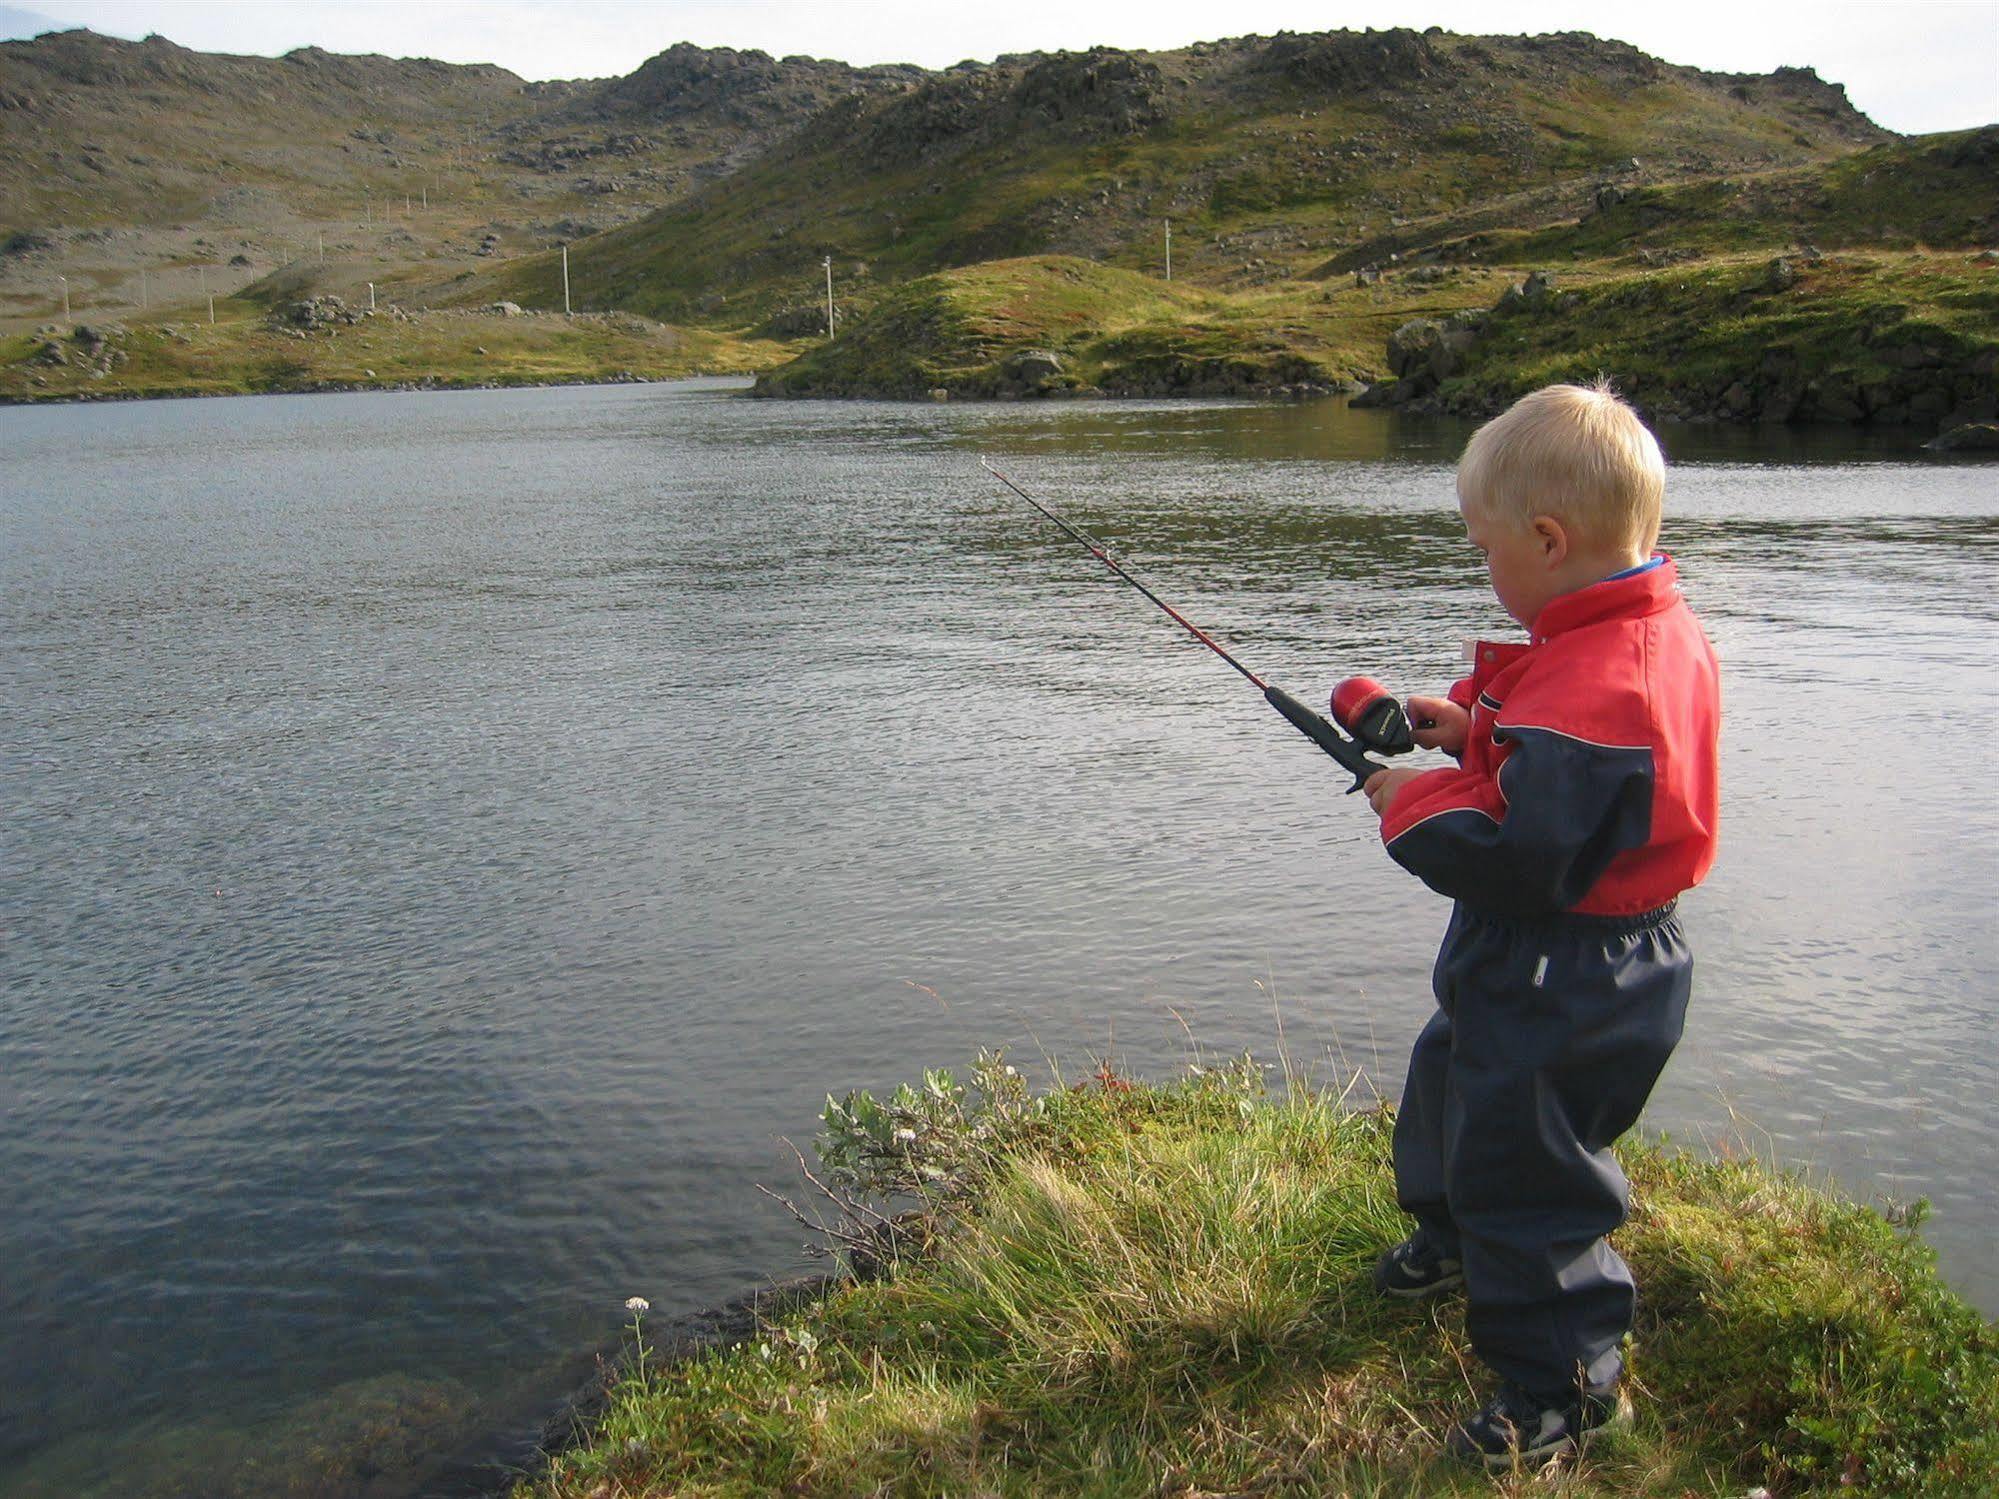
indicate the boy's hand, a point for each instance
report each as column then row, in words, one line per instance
column 1447, row 724
column 1382, row 786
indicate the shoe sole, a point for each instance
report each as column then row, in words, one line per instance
column 1617, row 1420
column 1418, row 1293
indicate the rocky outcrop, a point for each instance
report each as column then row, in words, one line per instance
column 1969, row 437
column 1344, row 61
column 311, row 314
column 1094, row 95
column 1031, row 369
column 748, row 88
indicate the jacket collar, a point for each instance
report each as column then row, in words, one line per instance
column 1631, row 597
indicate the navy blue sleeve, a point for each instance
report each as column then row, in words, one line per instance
column 1563, row 809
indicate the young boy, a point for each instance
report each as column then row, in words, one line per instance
column 1582, row 804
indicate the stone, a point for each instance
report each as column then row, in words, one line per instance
column 1409, row 346
column 1780, row 275
column 1031, row 367
column 505, row 309
column 1971, row 437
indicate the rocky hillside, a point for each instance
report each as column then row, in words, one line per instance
column 1269, row 155
column 103, row 131
column 206, row 172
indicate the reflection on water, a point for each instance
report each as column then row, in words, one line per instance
column 448, row 836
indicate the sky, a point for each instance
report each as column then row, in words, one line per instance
column 1914, row 66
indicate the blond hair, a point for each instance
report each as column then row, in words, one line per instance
column 1575, row 452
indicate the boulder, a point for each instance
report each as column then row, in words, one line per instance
column 1032, row 367
column 505, row 309
column 1780, row 275
column 1534, row 294
column 1409, row 346
column 312, row 314
column 1971, row 437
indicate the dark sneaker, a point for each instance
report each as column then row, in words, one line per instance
column 1416, row 1268
column 1517, row 1427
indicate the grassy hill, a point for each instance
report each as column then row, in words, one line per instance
column 1270, row 155
column 206, row 172
column 1322, row 190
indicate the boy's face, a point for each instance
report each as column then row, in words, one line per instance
column 1523, row 562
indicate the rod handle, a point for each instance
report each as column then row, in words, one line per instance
column 1322, row 733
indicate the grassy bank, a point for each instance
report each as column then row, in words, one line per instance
column 1116, row 331
column 1894, row 338
column 241, row 353
column 1132, row 1289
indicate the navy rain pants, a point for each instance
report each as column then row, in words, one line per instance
column 1548, row 1038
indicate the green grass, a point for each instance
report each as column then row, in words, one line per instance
column 1876, row 331
column 1897, row 338
column 239, row 354
column 1132, row 1289
column 1114, row 329
column 1932, row 191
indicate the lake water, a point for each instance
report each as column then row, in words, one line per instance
column 449, row 838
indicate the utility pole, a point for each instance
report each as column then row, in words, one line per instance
column 565, row 281
column 65, row 297
column 1169, row 249
column 211, row 307
column 829, row 298
column 371, row 296
column 406, row 205
column 426, row 197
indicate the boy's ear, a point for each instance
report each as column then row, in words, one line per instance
column 1552, row 537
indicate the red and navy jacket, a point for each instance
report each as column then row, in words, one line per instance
column 1588, row 781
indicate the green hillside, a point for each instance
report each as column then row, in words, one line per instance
column 1269, row 156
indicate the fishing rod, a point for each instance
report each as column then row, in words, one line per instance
column 1369, row 713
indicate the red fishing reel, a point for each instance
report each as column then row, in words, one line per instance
column 1373, row 715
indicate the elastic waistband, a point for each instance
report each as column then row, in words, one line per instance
column 1576, row 921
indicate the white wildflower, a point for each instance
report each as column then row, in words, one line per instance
column 905, row 1137
column 637, row 1304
